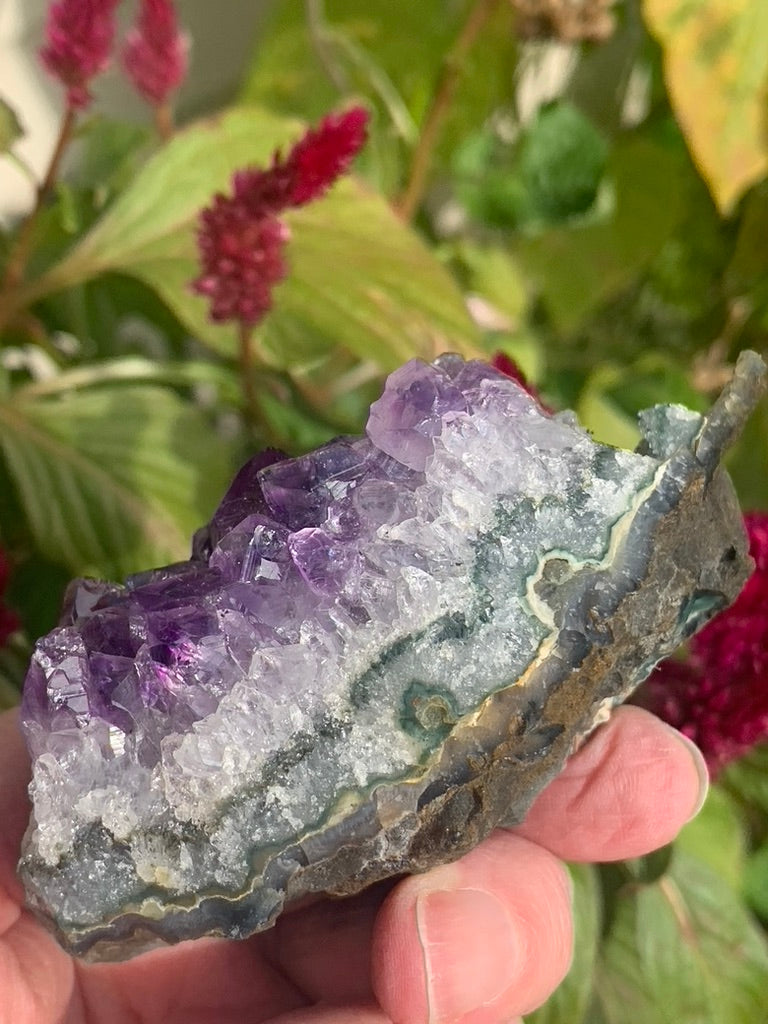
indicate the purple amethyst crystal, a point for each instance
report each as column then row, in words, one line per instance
column 293, row 709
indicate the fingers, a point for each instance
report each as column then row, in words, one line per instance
column 36, row 978
column 629, row 790
column 362, row 1014
column 192, row 983
column 476, row 941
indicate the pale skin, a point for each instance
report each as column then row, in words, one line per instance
column 481, row 941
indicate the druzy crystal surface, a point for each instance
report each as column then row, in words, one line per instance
column 376, row 653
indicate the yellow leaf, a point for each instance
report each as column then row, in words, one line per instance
column 716, row 68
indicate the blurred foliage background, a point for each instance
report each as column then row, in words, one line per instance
column 580, row 184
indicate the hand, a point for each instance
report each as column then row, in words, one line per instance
column 476, row 942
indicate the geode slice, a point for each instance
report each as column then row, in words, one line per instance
column 376, row 654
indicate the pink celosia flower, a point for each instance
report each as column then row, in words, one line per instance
column 79, row 36
column 9, row 621
column 243, row 260
column 502, row 362
column 323, row 155
column 240, row 238
column 718, row 696
column 155, row 52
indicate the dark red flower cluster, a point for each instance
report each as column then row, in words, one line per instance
column 79, row 36
column 243, row 259
column 155, row 52
column 718, row 696
column 240, row 237
column 9, row 620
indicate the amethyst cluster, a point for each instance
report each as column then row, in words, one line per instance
column 362, row 639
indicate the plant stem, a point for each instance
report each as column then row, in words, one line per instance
column 20, row 251
column 246, row 370
column 452, row 67
column 164, row 121
column 37, row 333
column 254, row 413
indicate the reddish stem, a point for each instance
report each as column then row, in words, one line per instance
column 21, row 249
column 453, row 65
column 246, row 370
column 164, row 121
column 254, row 414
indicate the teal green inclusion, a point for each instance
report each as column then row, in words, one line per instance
column 428, row 713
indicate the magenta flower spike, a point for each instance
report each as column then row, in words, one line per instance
column 155, row 54
column 240, row 236
column 79, row 36
column 324, row 154
column 243, row 260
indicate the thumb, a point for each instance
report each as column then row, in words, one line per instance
column 480, row 940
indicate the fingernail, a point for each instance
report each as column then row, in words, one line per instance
column 701, row 768
column 472, row 952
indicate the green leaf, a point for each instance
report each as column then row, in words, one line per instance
column 361, row 279
column 525, row 349
column 747, row 463
column 171, row 188
column 577, row 267
column 35, row 593
column 358, row 277
column 601, row 414
column 569, row 1002
column 656, row 379
column 13, row 531
column 650, row 867
column 408, row 41
column 294, row 430
column 756, row 882
column 747, row 778
column 490, row 272
column 14, row 659
column 113, row 315
column 9, row 692
column 391, row 54
column 605, row 421
column 749, row 260
column 683, row 950
column 614, row 394
column 109, row 155
column 10, row 127
column 717, row 837
column 716, row 69
column 112, row 480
